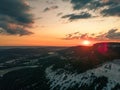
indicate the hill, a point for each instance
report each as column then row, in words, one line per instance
column 74, row 68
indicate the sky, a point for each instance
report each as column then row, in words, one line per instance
column 58, row 22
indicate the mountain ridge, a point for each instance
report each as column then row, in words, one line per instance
column 73, row 68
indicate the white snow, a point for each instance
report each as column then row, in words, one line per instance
column 66, row 79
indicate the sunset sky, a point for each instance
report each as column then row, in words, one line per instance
column 58, row 22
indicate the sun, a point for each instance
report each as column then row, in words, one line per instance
column 86, row 43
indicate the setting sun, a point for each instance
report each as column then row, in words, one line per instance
column 86, row 42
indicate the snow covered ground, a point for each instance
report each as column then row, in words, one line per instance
column 64, row 80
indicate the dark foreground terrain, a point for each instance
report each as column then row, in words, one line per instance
column 58, row 68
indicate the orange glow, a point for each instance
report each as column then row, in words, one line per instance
column 86, row 43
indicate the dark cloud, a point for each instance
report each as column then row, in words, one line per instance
column 113, row 34
column 110, row 35
column 82, row 15
column 78, row 4
column 76, row 35
column 113, row 11
column 93, row 4
column 14, row 17
column 50, row 8
column 107, row 7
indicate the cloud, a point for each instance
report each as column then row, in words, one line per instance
column 50, row 8
column 93, row 4
column 103, row 7
column 78, row 4
column 110, row 35
column 113, row 34
column 82, row 15
column 113, row 11
column 15, row 18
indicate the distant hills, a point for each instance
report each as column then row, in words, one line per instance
column 94, row 67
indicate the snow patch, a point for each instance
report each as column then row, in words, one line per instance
column 64, row 80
